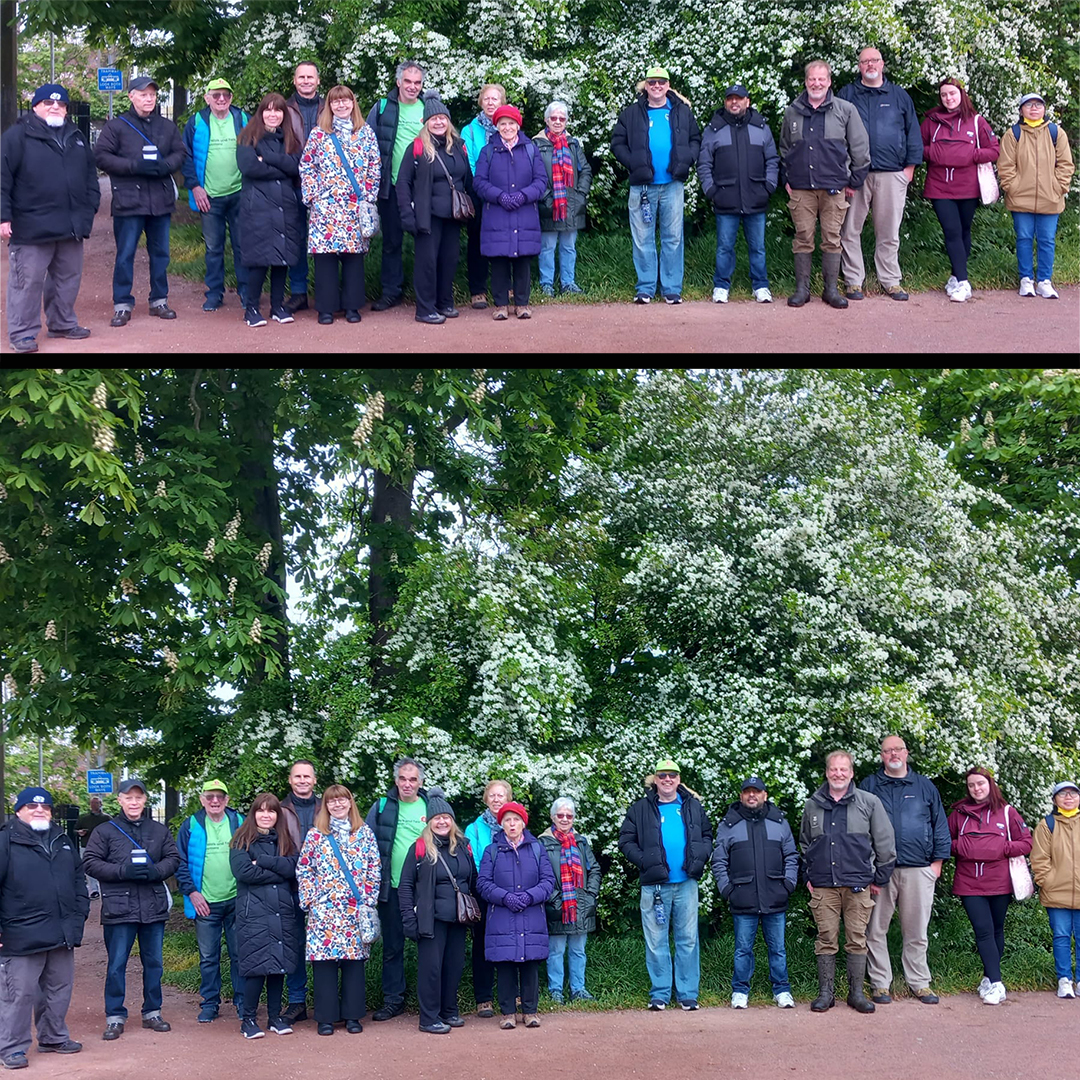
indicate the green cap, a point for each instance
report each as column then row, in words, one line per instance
column 656, row 72
column 215, row 785
column 666, row 765
column 219, row 84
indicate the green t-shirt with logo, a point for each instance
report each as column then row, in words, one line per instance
column 412, row 817
column 410, row 121
column 218, row 882
column 222, row 176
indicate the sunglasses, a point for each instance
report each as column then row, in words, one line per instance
column 656, row 82
column 220, row 95
column 667, row 776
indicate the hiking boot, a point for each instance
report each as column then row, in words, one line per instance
column 296, row 302
column 894, row 292
column 121, row 317
column 881, row 997
column 16, row 1060
column 500, row 314
column 479, row 302
column 531, row 1020
column 73, row 333
column 250, row 1030
column 438, row 1028
column 524, row 313
column 113, row 1030
column 803, row 265
column 484, row 1010
column 388, row 1012
column 295, row 1013
column 927, row 996
column 856, row 976
column 826, row 979
column 162, row 311
column 830, row 270
column 508, row 1022
column 155, row 1023
column 26, row 344
column 385, row 303
column 454, row 1021
column 854, row 292
column 69, row 1047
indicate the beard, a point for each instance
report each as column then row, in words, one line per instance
column 54, row 121
column 40, row 824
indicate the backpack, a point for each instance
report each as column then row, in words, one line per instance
column 530, row 149
column 1050, row 822
column 1053, row 138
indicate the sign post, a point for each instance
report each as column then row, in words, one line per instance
column 99, row 782
column 110, row 80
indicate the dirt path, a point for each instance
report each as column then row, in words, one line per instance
column 928, row 323
column 1030, row 1037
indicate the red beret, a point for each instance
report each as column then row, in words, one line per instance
column 513, row 807
column 508, row 111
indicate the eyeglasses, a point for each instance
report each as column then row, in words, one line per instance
column 338, row 802
column 220, row 95
column 667, row 776
column 214, row 798
column 656, row 82
column 871, row 60
column 556, row 119
column 568, row 816
column 895, row 750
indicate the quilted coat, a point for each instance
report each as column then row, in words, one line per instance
column 267, row 937
column 326, row 896
column 270, row 221
column 333, row 224
column 515, row 936
column 510, row 233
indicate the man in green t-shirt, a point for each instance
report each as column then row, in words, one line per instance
column 213, row 182
column 397, row 820
column 209, row 890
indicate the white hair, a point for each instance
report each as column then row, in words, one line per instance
column 562, row 800
column 556, row 105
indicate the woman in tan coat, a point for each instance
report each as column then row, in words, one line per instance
column 1055, row 864
column 1035, row 166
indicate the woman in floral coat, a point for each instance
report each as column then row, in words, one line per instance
column 339, row 199
column 339, row 908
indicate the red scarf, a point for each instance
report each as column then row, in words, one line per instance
column 562, row 173
column 571, row 874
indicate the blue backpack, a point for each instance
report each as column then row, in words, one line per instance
column 1053, row 139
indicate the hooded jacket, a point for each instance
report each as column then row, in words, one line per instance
column 888, row 114
column 982, row 849
column 271, row 226
column 640, row 838
column 1055, row 861
column 1033, row 172
column 382, row 821
column 515, row 936
column 423, row 191
column 586, row 896
column 139, row 188
column 823, row 148
column 630, row 139
column 48, row 183
column 43, row 900
column 918, row 817
column 268, row 939
column 756, row 862
column 846, row 843
column 510, row 233
column 425, row 892
column 738, row 165
column 952, row 157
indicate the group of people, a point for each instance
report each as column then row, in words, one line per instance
column 305, row 879
column 312, row 175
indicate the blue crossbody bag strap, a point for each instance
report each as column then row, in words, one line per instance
column 146, row 142
column 344, row 869
column 352, row 180
column 124, row 831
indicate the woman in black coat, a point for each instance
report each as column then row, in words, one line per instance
column 268, row 942
column 271, row 228
column 424, row 198
column 428, row 899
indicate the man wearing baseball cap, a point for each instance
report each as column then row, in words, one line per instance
column 132, row 856
column 666, row 834
column 43, row 906
column 656, row 139
column 48, row 197
column 213, row 181
column 140, row 150
column 209, row 889
column 756, row 866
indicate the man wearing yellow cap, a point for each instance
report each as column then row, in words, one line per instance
column 209, row 890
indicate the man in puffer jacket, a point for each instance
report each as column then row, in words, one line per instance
column 666, row 834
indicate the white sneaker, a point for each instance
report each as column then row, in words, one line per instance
column 763, row 296
column 984, row 986
column 962, row 291
column 950, row 285
column 995, row 995
column 1046, row 290
column 784, row 1000
column 1065, row 988
column 740, row 1001
column 1027, row 287
column 720, row 296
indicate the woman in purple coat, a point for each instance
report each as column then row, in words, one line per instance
column 516, row 880
column 511, row 179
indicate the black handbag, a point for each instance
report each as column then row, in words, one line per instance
column 468, row 910
column 461, row 209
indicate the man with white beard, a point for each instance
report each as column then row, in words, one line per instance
column 43, row 906
column 48, row 197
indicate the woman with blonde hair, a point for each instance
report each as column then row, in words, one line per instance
column 476, row 134
column 338, row 873
column 438, row 867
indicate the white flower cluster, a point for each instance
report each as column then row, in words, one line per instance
column 262, row 560
column 140, row 455
column 127, row 587
column 172, row 661
column 11, row 685
column 4, row 556
column 37, row 673
column 255, row 633
column 160, row 491
column 100, row 398
column 50, row 630
column 104, row 438
column 208, row 551
column 232, row 589
column 232, row 529
column 372, row 411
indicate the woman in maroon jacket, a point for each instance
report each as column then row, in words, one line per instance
column 955, row 141
column 986, row 833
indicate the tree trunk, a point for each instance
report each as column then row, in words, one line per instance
column 9, row 73
column 390, row 537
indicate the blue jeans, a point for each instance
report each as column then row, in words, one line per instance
column 681, row 906
column 297, row 979
column 1065, row 926
column 298, row 274
column 127, row 231
column 772, row 929
column 118, row 941
column 727, row 230
column 567, row 242
column 1042, row 229
column 208, row 930
column 667, row 209
column 224, row 211
column 558, row 946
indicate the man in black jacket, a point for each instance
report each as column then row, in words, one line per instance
column 140, row 150
column 304, row 106
column 132, row 856
column 43, row 906
column 656, row 139
column 48, row 197
column 756, row 866
column 666, row 834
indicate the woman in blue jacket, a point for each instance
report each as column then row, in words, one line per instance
column 511, row 180
column 516, row 880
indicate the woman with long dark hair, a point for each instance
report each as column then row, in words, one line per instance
column 986, row 833
column 263, row 861
column 268, row 157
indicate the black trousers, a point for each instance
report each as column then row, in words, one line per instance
column 440, row 960
column 987, row 917
column 478, row 270
column 502, row 270
column 393, row 954
column 519, row 980
column 332, row 1005
column 253, row 985
column 256, row 280
column 483, row 970
column 435, row 264
column 334, row 294
column 393, row 242
column 955, row 217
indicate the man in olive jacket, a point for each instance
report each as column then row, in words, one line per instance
column 132, row 856
column 43, row 906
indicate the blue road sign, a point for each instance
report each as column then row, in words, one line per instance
column 99, row 782
column 110, row 79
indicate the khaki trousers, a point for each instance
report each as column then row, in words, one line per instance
column 910, row 892
column 806, row 206
column 886, row 194
column 828, row 905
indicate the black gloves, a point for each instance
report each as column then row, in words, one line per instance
column 136, row 872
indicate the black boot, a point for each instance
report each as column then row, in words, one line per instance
column 803, row 266
column 830, row 270
column 856, row 976
column 826, row 976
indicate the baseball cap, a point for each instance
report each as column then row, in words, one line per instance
column 129, row 783
column 1031, row 97
column 736, row 90
column 49, row 92
column 666, row 765
column 141, row 82
column 215, row 785
column 753, row 782
column 219, row 84
column 33, row 795
column 1065, row 785
column 657, row 72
